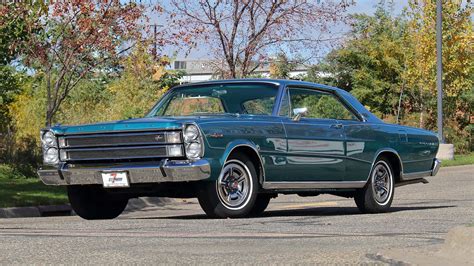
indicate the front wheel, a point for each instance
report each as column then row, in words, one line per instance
column 93, row 202
column 377, row 195
column 260, row 205
column 234, row 193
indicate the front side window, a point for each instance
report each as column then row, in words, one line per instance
column 254, row 99
column 320, row 105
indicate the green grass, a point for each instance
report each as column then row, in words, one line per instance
column 17, row 190
column 459, row 160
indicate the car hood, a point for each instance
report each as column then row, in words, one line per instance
column 148, row 123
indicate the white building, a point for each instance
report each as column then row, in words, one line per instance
column 202, row 70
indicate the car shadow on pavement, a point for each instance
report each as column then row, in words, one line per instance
column 315, row 211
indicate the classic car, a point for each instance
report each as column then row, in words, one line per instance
column 235, row 145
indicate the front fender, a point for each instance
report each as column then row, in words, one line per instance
column 220, row 155
column 231, row 146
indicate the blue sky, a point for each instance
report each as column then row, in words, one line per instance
column 360, row 6
column 368, row 6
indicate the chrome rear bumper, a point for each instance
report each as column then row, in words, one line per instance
column 436, row 166
column 165, row 171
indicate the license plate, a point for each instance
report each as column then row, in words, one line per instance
column 115, row 179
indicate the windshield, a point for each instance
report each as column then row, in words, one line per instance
column 255, row 99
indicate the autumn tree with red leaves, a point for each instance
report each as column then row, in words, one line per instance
column 242, row 32
column 75, row 38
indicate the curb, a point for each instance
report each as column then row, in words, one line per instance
column 66, row 210
column 39, row 211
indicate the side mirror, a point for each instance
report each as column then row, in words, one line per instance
column 299, row 113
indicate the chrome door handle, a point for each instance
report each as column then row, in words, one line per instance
column 337, row 126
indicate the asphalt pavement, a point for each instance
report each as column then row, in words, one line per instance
column 324, row 229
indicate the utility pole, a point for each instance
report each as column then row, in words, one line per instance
column 439, row 67
column 155, row 45
column 155, row 48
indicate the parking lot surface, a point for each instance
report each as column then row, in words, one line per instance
column 324, row 229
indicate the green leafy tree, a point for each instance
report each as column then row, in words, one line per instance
column 458, row 66
column 74, row 39
column 281, row 66
column 370, row 63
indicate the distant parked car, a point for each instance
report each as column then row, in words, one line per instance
column 235, row 144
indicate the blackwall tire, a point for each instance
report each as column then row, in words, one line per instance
column 93, row 203
column 260, row 205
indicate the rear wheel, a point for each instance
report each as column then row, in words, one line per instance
column 234, row 193
column 93, row 202
column 377, row 195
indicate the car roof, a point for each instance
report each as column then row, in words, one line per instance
column 368, row 116
column 263, row 80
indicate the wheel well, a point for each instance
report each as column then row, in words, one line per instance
column 253, row 155
column 394, row 161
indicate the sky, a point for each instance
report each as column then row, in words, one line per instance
column 360, row 6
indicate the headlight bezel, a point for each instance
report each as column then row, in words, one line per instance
column 51, row 159
column 193, row 140
column 49, row 139
column 49, row 143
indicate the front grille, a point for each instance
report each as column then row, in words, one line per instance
column 117, row 153
column 120, row 146
column 122, row 139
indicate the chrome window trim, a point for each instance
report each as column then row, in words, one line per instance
column 339, row 98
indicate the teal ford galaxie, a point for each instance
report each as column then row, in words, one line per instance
column 235, row 144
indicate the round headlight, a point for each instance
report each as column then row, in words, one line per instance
column 193, row 150
column 49, row 139
column 51, row 156
column 191, row 133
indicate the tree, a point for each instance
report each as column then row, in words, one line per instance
column 371, row 61
column 458, row 66
column 75, row 39
column 15, row 27
column 280, row 67
column 243, row 33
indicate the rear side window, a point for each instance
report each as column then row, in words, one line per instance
column 320, row 105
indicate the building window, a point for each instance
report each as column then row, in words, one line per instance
column 179, row 64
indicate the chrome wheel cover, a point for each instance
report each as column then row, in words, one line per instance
column 382, row 184
column 234, row 185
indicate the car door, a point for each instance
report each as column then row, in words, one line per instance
column 315, row 142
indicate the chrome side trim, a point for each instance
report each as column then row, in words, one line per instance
column 417, row 175
column 164, row 171
column 314, row 185
column 409, row 182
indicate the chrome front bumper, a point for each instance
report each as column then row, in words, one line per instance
column 166, row 171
